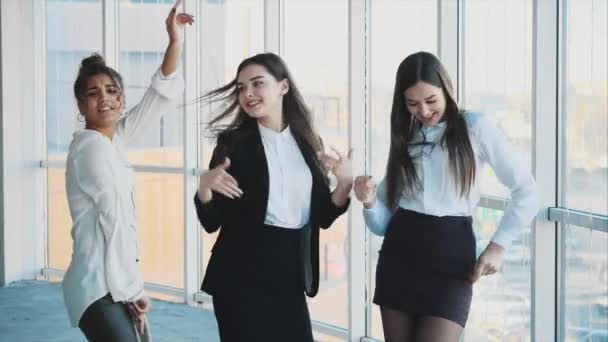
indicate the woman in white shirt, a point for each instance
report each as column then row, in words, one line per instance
column 103, row 290
column 423, row 206
column 267, row 194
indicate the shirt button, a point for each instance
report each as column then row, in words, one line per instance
column 137, row 260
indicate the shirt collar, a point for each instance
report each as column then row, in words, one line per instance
column 272, row 135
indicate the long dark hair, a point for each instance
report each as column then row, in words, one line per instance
column 295, row 112
column 91, row 66
column 400, row 170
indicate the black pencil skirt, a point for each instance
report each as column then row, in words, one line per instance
column 270, row 305
column 424, row 264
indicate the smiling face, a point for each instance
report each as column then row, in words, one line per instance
column 101, row 103
column 260, row 94
column 426, row 102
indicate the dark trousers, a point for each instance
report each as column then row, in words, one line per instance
column 105, row 320
column 269, row 318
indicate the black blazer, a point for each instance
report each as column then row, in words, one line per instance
column 230, row 268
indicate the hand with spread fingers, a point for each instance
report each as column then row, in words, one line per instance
column 365, row 190
column 220, row 181
column 175, row 22
column 341, row 165
column 489, row 262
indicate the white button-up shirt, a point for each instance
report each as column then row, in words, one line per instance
column 100, row 187
column 290, row 180
column 440, row 197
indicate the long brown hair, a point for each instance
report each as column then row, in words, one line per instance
column 400, row 170
column 295, row 112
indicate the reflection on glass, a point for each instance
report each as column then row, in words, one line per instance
column 498, row 73
column 398, row 29
column 72, row 32
column 160, row 225
column 143, row 39
column 231, row 31
column 320, row 69
column 586, row 117
column 585, row 284
column 501, row 302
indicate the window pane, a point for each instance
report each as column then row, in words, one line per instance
column 231, row 31
column 586, row 104
column 501, row 309
column 389, row 20
column 160, row 227
column 66, row 25
column 322, row 78
column 59, row 221
column 498, row 73
column 143, row 39
column 585, row 284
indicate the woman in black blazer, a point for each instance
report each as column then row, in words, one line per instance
column 267, row 193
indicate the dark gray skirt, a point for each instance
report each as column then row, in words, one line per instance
column 424, row 264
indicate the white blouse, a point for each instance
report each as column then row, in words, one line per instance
column 440, row 197
column 100, row 187
column 290, row 180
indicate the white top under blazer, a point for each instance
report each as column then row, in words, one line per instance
column 100, row 185
column 289, row 180
column 439, row 195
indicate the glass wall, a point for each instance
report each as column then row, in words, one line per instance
column 584, row 166
column 65, row 25
column 322, row 78
column 142, row 39
column 497, row 74
column 585, row 284
column 398, row 29
column 585, row 146
column 501, row 308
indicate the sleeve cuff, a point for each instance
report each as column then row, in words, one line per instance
column 504, row 239
column 169, row 86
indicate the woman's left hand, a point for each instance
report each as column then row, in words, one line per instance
column 341, row 166
column 489, row 262
column 175, row 23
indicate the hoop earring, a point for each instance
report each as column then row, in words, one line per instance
column 80, row 117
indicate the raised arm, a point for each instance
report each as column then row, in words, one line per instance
column 175, row 29
column 166, row 86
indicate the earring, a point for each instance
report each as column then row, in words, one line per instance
column 80, row 117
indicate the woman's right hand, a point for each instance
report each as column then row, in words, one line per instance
column 365, row 190
column 218, row 180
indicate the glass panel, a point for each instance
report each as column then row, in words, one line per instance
column 389, row 20
column 143, row 39
column 586, row 118
column 323, row 80
column 501, row 309
column 66, row 25
column 585, row 284
column 160, row 227
column 59, row 221
column 498, row 73
column 231, row 31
